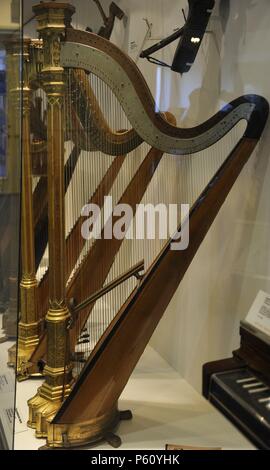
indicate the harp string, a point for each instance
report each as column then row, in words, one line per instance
column 91, row 168
column 176, row 180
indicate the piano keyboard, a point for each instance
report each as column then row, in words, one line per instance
column 245, row 399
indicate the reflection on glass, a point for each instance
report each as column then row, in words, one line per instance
column 10, row 169
column 2, row 113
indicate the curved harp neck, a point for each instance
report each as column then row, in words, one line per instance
column 114, row 67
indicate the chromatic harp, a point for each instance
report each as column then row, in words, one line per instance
column 100, row 300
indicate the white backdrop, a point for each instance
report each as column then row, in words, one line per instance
column 202, row 321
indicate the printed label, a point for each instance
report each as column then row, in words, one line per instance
column 259, row 314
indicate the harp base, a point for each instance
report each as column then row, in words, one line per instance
column 42, row 408
column 66, row 436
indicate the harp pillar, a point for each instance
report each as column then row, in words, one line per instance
column 29, row 325
column 10, row 186
column 52, row 20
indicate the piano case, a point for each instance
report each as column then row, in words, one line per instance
column 240, row 386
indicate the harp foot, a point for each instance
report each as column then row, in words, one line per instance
column 42, row 408
column 126, row 415
column 113, row 440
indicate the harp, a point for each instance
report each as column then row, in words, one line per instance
column 104, row 298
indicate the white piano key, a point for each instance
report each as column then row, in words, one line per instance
column 255, row 384
column 257, row 390
column 248, row 379
column 264, row 400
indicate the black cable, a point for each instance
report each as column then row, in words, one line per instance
column 161, row 44
column 155, row 61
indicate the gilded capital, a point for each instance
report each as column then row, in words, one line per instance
column 53, row 18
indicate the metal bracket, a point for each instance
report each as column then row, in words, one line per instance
column 75, row 309
column 146, row 38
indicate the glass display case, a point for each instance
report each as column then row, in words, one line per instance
column 134, row 216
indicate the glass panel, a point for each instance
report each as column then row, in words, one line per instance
column 196, row 57
column 10, row 185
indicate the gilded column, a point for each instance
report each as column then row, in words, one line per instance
column 52, row 19
column 29, row 325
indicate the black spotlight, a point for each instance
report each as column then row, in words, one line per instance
column 193, row 32
column 191, row 35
